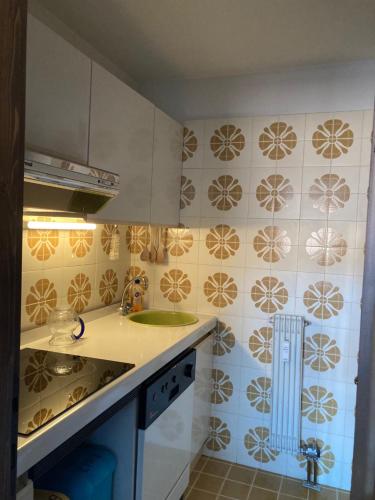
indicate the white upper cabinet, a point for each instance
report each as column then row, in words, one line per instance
column 57, row 94
column 77, row 110
column 166, row 173
column 121, row 140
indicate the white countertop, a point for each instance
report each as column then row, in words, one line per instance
column 116, row 338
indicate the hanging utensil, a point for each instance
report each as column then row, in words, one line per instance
column 160, row 259
column 145, row 254
column 153, row 250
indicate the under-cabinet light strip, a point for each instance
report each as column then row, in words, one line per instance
column 34, row 224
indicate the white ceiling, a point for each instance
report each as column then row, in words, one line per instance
column 161, row 39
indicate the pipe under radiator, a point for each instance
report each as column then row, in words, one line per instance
column 287, row 366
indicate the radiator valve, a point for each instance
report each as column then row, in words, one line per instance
column 312, row 454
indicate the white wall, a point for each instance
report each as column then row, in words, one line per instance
column 303, row 90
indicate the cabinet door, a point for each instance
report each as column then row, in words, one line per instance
column 166, row 171
column 121, row 139
column 202, row 395
column 57, row 94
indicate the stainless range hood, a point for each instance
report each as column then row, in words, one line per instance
column 53, row 185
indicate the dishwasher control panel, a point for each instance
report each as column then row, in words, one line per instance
column 165, row 387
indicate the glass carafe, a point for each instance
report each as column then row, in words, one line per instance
column 63, row 323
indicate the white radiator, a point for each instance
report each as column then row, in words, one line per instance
column 286, row 389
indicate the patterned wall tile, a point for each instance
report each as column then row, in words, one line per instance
column 193, row 143
column 333, row 138
column 224, row 193
column 278, row 139
column 227, row 142
column 41, row 292
column 222, row 441
column 190, row 200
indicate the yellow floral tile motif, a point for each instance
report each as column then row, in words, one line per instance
column 106, row 377
column 327, row 458
column 259, row 394
column 175, row 285
column 42, row 244
column 37, row 374
column 109, row 238
column 132, row 272
column 189, row 145
column 260, row 344
column 79, row 292
column 323, row 300
column 225, row 192
column 329, row 193
column 179, row 241
column 224, row 339
column 41, row 417
column 108, row 286
column 137, row 237
column 219, row 436
column 321, row 353
column 272, row 244
column 256, row 442
column 274, row 192
column 222, row 387
column 222, row 241
column 318, row 404
column 333, row 138
column 77, row 395
column 40, row 301
column 187, row 192
column 220, row 289
column 277, row 141
column 326, row 247
column 269, row 294
column 81, row 242
column 79, row 364
column 227, row 142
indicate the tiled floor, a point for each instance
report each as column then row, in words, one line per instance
column 218, row 480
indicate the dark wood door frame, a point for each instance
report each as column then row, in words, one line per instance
column 363, row 479
column 13, row 16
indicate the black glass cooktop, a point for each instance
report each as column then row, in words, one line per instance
column 51, row 383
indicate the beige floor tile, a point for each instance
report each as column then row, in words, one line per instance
column 216, row 467
column 208, row 483
column 267, row 481
column 200, row 495
column 293, row 488
column 343, row 495
column 200, row 463
column 241, row 474
column 232, row 489
column 323, row 494
column 193, row 477
column 282, row 496
column 259, row 494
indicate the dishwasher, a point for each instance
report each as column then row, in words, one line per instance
column 164, row 431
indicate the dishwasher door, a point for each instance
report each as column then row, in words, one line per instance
column 165, row 429
column 164, row 451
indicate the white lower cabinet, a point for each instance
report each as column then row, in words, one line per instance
column 202, row 392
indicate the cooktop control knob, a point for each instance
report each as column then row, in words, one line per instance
column 188, row 371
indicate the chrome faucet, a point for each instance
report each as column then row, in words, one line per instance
column 125, row 306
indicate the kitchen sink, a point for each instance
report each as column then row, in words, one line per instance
column 163, row 318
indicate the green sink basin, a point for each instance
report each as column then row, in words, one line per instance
column 163, row 318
